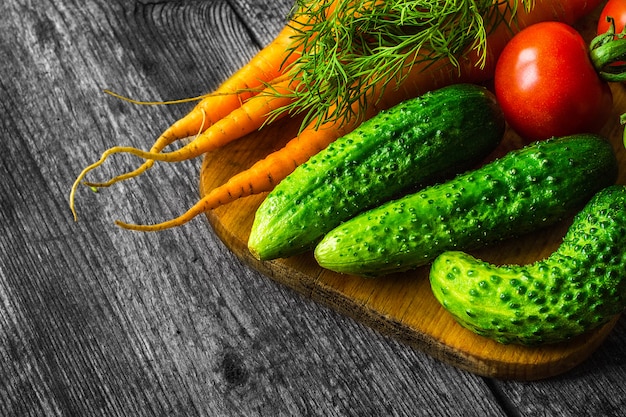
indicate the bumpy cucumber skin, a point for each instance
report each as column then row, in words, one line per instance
column 582, row 285
column 413, row 144
column 518, row 193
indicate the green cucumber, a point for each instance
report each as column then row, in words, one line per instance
column 581, row 286
column 526, row 189
column 415, row 143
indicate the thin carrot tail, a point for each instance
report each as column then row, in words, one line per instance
column 251, row 116
column 201, row 117
column 200, row 207
column 161, row 143
column 265, row 68
column 123, row 177
column 244, row 120
column 216, row 198
column 260, row 177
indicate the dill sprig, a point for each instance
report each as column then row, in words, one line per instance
column 353, row 48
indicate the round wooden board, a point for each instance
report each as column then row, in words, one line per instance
column 401, row 305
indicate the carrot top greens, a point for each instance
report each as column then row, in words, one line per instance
column 347, row 47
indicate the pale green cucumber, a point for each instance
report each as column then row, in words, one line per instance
column 581, row 286
column 415, row 143
column 518, row 193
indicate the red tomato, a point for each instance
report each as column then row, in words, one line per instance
column 547, row 85
column 615, row 9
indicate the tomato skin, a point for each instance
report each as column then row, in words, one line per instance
column 547, row 85
column 615, row 9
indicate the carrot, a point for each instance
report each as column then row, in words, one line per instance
column 238, row 107
column 265, row 67
column 252, row 114
column 240, row 122
column 265, row 174
column 261, row 177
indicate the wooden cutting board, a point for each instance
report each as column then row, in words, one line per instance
column 402, row 305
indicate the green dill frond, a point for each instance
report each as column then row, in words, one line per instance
column 350, row 46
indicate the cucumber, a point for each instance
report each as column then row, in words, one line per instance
column 526, row 189
column 579, row 287
column 415, row 143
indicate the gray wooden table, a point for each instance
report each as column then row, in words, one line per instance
column 95, row 320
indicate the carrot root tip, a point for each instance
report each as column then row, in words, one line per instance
column 149, row 227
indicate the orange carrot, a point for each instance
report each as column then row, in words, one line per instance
column 243, row 120
column 265, row 68
column 261, row 177
column 252, row 114
column 240, row 122
column 265, row 174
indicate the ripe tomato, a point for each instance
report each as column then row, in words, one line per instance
column 547, row 85
column 615, row 9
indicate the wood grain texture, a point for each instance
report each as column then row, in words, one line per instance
column 99, row 321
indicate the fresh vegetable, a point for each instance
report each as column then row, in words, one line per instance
column 579, row 287
column 547, row 85
column 526, row 189
column 266, row 67
column 428, row 68
column 616, row 10
column 260, row 177
column 411, row 145
column 354, row 51
column 239, row 122
column 263, row 72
